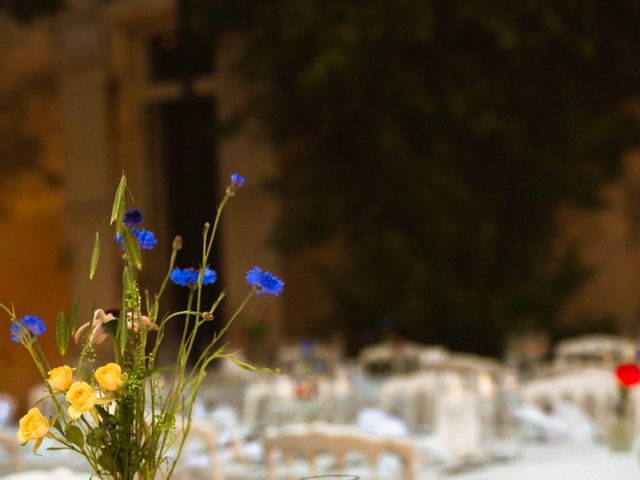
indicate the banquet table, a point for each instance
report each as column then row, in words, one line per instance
column 548, row 461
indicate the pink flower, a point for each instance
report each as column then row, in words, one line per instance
column 101, row 318
column 142, row 320
column 99, row 333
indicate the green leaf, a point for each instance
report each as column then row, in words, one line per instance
column 57, row 425
column 106, row 462
column 104, row 415
column 37, row 446
column 153, row 371
column 248, row 366
column 74, row 435
column 132, row 247
column 63, row 332
column 93, row 438
column 73, row 321
column 58, row 448
column 129, row 282
column 46, row 397
column 95, row 256
column 121, row 334
column 117, row 211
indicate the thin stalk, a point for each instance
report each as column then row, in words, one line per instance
column 221, row 333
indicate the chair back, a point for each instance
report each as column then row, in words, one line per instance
column 596, row 349
column 591, row 389
column 308, row 442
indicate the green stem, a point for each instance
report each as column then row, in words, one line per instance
column 221, row 333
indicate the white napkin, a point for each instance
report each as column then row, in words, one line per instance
column 379, row 422
column 565, row 421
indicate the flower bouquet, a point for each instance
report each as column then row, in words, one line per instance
column 123, row 417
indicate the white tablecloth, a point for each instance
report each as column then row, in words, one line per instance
column 559, row 461
column 55, row 474
column 538, row 462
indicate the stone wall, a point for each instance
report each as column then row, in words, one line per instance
column 34, row 251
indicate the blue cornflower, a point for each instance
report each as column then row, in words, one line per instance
column 209, row 277
column 183, row 276
column 188, row 277
column 30, row 322
column 264, row 282
column 133, row 217
column 146, row 238
column 237, row 181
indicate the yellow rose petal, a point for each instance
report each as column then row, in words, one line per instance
column 60, row 378
column 81, row 397
column 33, row 426
column 109, row 377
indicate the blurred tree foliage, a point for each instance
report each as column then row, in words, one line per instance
column 437, row 139
column 26, row 10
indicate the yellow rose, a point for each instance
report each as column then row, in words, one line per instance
column 109, row 377
column 82, row 398
column 32, row 426
column 60, row 378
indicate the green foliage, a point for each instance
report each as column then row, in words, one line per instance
column 63, row 332
column 95, row 256
column 118, row 208
column 132, row 248
column 74, row 435
column 438, row 139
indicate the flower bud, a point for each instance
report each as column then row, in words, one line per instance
column 237, row 181
column 177, row 243
column 60, row 378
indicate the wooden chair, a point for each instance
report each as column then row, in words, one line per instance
column 593, row 390
column 292, row 358
column 594, row 350
column 268, row 401
column 311, row 441
column 386, row 358
column 412, row 398
column 208, row 434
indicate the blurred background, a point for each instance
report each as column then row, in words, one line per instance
column 456, row 173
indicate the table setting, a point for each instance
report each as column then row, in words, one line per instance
column 465, row 442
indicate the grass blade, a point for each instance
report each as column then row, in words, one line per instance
column 117, row 211
column 62, row 333
column 95, row 256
